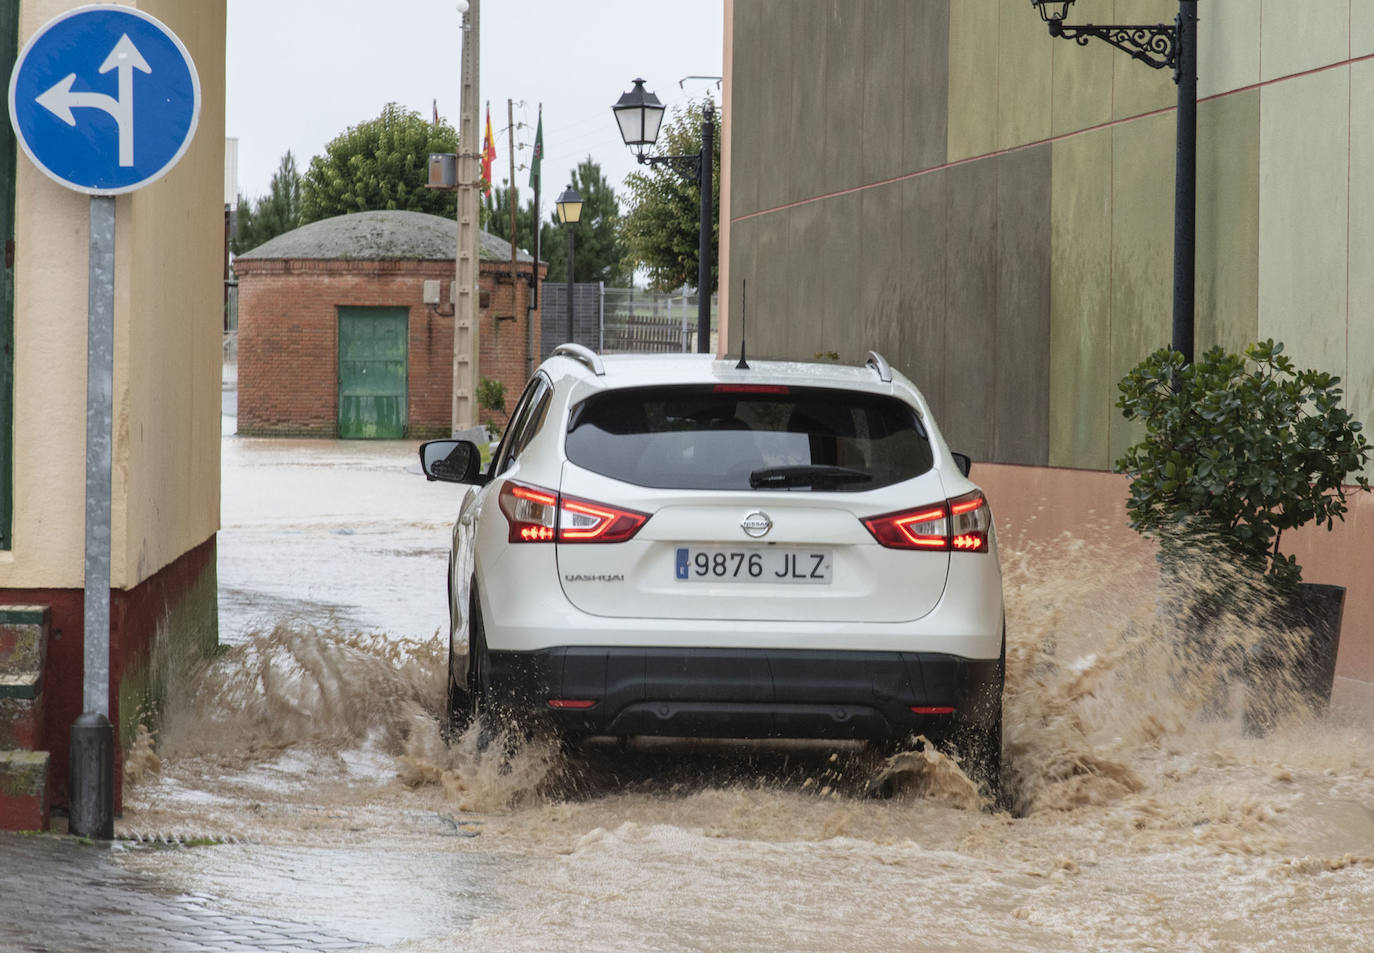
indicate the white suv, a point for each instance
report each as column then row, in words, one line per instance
column 678, row 545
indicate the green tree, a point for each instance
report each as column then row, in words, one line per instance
column 496, row 217
column 663, row 225
column 273, row 214
column 377, row 165
column 600, row 252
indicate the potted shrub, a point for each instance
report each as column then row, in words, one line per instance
column 1237, row 450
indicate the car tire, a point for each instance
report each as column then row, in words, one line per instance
column 980, row 747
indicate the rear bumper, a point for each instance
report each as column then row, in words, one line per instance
column 748, row 693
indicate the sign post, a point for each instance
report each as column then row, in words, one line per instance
column 104, row 99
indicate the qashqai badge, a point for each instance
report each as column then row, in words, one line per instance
column 756, row 524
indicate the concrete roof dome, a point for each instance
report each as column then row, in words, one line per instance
column 379, row 236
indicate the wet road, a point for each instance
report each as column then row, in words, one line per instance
column 307, row 767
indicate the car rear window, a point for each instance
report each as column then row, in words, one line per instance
column 741, row 437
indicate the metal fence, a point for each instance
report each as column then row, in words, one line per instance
column 622, row 320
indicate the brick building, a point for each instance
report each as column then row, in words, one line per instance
column 336, row 337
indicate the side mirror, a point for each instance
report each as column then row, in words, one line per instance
column 451, row 461
column 963, row 461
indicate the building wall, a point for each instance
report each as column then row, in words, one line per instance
column 165, row 481
column 992, row 208
column 288, row 340
column 168, row 303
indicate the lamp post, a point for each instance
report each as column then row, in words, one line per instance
column 569, row 206
column 639, row 115
column 1159, row 46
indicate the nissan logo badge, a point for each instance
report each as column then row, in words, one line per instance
column 756, row 524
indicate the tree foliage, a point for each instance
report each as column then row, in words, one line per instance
column 496, row 216
column 1241, row 448
column 273, row 214
column 663, row 224
column 599, row 249
column 378, row 165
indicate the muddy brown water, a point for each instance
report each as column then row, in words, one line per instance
column 1143, row 813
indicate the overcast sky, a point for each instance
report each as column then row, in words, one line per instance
column 302, row 71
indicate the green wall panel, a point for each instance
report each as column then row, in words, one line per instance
column 1296, row 37
column 1359, row 371
column 968, row 416
column 1361, row 28
column 1304, row 201
column 1227, row 290
column 1136, row 88
column 881, row 273
column 1082, row 79
column 1229, row 46
column 922, row 214
column 926, row 81
column 1081, row 386
column 1025, row 70
column 973, row 112
column 1142, row 250
column 884, row 93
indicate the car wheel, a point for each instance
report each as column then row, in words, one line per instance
column 458, row 706
column 981, row 747
column 479, row 678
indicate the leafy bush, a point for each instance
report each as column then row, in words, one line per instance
column 1239, row 447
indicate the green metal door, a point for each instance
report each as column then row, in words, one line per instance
column 372, row 372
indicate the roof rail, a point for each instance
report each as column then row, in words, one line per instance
column 583, row 355
column 875, row 361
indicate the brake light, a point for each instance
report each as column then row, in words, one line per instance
column 571, row 704
column 750, row 389
column 537, row 515
column 961, row 524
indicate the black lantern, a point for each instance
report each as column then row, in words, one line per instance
column 569, row 206
column 1052, row 9
column 639, row 114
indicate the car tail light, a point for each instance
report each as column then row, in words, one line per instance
column 961, row 525
column 572, row 704
column 537, row 515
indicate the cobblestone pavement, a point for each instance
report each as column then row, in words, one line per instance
column 60, row 895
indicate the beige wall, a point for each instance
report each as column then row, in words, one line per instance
column 168, row 313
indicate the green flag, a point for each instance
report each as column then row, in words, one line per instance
column 538, row 151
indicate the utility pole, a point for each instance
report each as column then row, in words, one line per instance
column 510, row 146
column 465, row 318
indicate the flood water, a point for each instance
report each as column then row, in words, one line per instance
column 1144, row 810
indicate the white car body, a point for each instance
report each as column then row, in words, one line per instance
column 806, row 587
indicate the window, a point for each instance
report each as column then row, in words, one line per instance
column 715, row 438
column 525, row 422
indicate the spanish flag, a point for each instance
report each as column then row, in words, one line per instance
column 488, row 155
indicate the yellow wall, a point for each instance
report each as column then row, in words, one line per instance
column 168, row 314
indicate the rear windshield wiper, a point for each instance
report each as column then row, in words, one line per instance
column 775, row 478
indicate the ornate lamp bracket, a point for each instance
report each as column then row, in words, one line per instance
column 1155, row 45
column 689, row 167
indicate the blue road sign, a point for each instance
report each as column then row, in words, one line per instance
column 104, row 99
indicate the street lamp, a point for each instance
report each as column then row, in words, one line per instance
column 1160, row 46
column 569, row 206
column 639, row 115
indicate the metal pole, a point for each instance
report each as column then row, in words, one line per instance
column 466, row 346
column 571, row 339
column 91, row 798
column 705, row 179
column 1185, row 182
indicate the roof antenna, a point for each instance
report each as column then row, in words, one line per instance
column 743, row 365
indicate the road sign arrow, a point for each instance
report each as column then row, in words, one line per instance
column 124, row 59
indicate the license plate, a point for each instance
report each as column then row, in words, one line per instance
column 772, row 565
